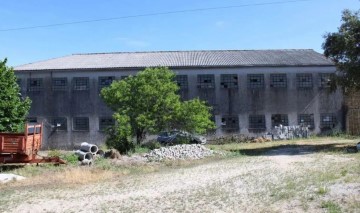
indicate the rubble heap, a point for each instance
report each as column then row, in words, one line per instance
column 184, row 151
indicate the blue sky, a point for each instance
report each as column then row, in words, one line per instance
column 277, row 26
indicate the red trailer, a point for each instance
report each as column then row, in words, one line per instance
column 18, row 148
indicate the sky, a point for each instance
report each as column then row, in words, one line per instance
column 252, row 24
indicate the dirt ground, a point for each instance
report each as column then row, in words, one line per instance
column 285, row 179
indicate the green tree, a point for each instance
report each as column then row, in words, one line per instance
column 343, row 47
column 149, row 103
column 13, row 109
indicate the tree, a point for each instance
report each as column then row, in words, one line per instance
column 343, row 47
column 149, row 103
column 13, row 109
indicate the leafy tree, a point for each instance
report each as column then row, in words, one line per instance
column 149, row 103
column 343, row 47
column 13, row 109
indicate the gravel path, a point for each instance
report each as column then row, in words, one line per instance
column 272, row 183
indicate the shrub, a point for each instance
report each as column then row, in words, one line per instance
column 119, row 142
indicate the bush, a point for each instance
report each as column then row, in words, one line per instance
column 123, row 144
column 70, row 158
column 152, row 145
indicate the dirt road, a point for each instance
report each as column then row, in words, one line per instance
column 278, row 181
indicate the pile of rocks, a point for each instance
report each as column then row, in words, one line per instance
column 185, row 151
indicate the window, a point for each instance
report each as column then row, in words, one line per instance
column 31, row 119
column 206, row 81
column 123, row 77
column 255, row 81
column 59, row 84
column 59, row 123
column 304, row 81
column 230, row 122
column 81, row 124
column 105, row 122
column 324, row 79
column 278, row 80
column 182, row 81
column 327, row 120
column 35, row 84
column 105, row 81
column 81, row 83
column 278, row 119
column 306, row 120
column 257, row 122
column 229, row 81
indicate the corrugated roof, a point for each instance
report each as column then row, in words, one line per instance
column 210, row 58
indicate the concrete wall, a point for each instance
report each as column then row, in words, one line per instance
column 240, row 102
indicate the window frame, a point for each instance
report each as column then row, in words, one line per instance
column 301, row 82
column 257, row 126
column 233, row 120
column 308, row 120
column 201, row 78
column 260, row 78
column 229, row 81
column 59, row 87
column 86, row 125
column 35, row 88
column 103, row 81
column 279, row 119
column 275, row 80
column 102, row 126
column 182, row 81
column 85, row 86
column 62, row 127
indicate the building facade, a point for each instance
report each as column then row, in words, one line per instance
column 250, row 91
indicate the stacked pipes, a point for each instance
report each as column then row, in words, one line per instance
column 88, row 152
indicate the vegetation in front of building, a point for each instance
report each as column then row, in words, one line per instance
column 13, row 108
column 149, row 103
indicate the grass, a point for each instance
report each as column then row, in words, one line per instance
column 331, row 207
column 309, row 187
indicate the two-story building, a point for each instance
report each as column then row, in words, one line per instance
column 251, row 91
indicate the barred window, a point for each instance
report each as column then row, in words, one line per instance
column 81, row 83
column 257, row 122
column 327, row 120
column 304, row 80
column 35, row 84
column 230, row 122
column 60, row 123
column 278, row 119
column 278, row 80
column 255, row 81
column 105, row 81
column 182, row 81
column 31, row 119
column 59, row 84
column 324, row 79
column 105, row 122
column 229, row 81
column 206, row 81
column 306, row 120
column 81, row 123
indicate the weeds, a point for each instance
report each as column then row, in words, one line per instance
column 331, row 206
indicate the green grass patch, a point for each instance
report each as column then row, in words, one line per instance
column 331, row 207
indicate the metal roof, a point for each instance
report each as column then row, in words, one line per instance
column 174, row 59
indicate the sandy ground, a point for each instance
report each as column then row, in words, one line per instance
column 280, row 181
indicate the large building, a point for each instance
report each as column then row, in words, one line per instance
column 251, row 91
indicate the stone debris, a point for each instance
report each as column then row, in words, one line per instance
column 10, row 177
column 290, row 132
column 184, row 151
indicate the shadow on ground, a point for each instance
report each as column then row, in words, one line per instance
column 293, row 149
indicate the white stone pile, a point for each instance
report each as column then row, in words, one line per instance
column 184, row 151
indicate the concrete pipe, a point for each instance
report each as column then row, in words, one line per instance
column 86, row 162
column 87, row 147
column 84, row 155
column 100, row 153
